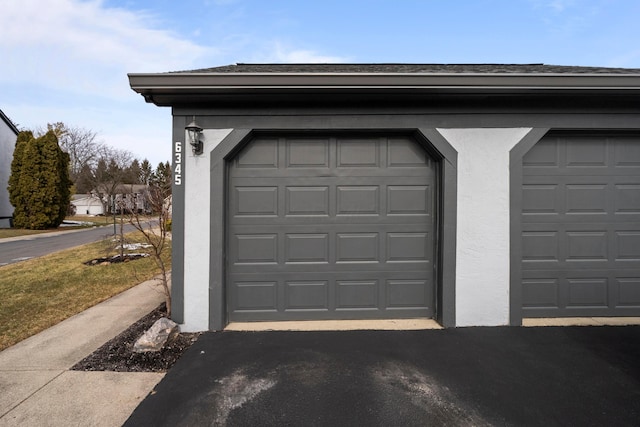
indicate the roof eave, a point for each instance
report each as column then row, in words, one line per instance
column 174, row 87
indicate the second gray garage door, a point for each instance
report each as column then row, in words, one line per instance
column 330, row 227
column 581, row 226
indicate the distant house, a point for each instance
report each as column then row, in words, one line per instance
column 132, row 197
column 87, row 204
column 128, row 197
column 8, row 135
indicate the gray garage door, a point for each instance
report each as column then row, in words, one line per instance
column 581, row 226
column 337, row 227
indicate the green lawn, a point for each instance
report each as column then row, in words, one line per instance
column 38, row 293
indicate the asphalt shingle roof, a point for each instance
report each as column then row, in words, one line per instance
column 415, row 68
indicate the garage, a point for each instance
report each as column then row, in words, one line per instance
column 581, row 225
column 473, row 194
column 330, row 226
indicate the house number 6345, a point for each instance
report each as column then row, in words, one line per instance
column 177, row 163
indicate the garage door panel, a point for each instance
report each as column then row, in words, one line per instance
column 581, row 226
column 322, row 268
column 541, row 199
column 256, row 296
column 357, row 295
column 627, row 245
column 567, row 174
column 544, row 199
column 586, row 199
column 308, row 200
column 358, row 153
column 408, row 247
column 587, row 246
column 260, row 155
column 540, row 292
column 308, row 226
column 409, row 200
column 594, row 245
column 540, row 246
column 626, row 153
column 628, row 291
column 358, row 200
column 627, row 200
column 254, row 249
column 372, row 295
column 306, row 295
column 591, row 292
column 306, row 248
column 342, row 227
column 316, row 223
column 586, row 152
column 354, row 174
column 408, row 293
column 304, row 153
column 255, row 201
column 406, row 153
column 357, row 247
column 545, row 156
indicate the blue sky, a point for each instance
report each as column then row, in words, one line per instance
column 67, row 60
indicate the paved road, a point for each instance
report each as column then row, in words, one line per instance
column 42, row 244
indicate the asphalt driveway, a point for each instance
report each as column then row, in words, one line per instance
column 569, row 376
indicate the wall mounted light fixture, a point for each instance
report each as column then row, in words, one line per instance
column 194, row 136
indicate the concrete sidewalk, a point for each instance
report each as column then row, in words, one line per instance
column 38, row 389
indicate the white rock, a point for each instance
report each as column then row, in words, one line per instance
column 157, row 336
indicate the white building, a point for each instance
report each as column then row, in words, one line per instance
column 8, row 134
column 87, row 204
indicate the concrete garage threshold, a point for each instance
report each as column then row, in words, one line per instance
column 581, row 321
column 337, row 325
column 414, row 324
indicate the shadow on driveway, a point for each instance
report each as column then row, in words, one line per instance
column 582, row 376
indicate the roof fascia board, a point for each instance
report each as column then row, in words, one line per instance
column 506, row 81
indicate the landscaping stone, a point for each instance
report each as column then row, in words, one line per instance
column 156, row 337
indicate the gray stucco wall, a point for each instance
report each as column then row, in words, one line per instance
column 480, row 139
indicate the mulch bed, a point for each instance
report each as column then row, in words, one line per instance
column 118, row 355
column 115, row 259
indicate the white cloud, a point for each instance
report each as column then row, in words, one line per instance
column 67, row 60
column 85, row 47
column 555, row 5
column 561, row 5
column 219, row 2
column 278, row 52
column 568, row 18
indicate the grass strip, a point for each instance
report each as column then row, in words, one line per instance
column 87, row 222
column 38, row 293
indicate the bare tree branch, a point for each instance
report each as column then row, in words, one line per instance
column 156, row 233
column 81, row 144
